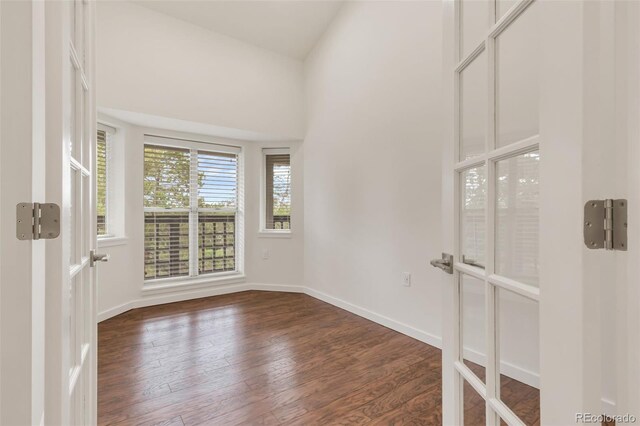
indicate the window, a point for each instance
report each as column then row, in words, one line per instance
column 277, row 190
column 190, row 208
column 103, row 160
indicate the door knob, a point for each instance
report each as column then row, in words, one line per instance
column 97, row 257
column 446, row 263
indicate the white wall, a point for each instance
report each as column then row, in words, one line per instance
column 120, row 281
column 155, row 64
column 372, row 161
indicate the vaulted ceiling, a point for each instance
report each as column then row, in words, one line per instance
column 288, row 27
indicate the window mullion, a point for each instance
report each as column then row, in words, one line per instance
column 193, row 213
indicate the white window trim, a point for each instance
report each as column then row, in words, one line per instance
column 220, row 278
column 110, row 130
column 191, row 144
column 263, row 231
column 275, row 233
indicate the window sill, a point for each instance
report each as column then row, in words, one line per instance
column 112, row 241
column 188, row 283
column 274, row 234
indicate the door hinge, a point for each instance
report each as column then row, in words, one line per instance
column 36, row 221
column 605, row 224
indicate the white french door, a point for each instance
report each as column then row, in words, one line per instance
column 82, row 222
column 525, row 85
column 71, row 324
column 496, row 187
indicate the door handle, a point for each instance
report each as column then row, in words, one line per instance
column 97, row 257
column 446, row 263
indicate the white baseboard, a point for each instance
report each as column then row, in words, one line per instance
column 279, row 287
column 115, row 311
column 509, row 369
column 177, row 296
column 408, row 330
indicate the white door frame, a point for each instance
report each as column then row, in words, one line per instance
column 627, row 15
column 575, row 120
column 22, row 277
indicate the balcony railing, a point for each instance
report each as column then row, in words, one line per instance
column 167, row 251
column 102, row 225
column 282, row 222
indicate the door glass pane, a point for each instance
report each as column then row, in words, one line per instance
column 72, row 19
column 80, row 116
column 80, row 30
column 502, row 6
column 84, row 126
column 517, row 57
column 473, row 107
column 73, row 133
column 73, row 178
column 80, row 311
column 472, row 215
column 474, row 15
column 86, row 222
column 519, row 360
column 86, row 303
column 517, row 218
column 73, row 360
column 472, row 309
column 474, row 406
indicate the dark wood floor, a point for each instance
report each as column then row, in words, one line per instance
column 263, row 358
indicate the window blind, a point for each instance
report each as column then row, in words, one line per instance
column 217, row 180
column 217, row 203
column 102, row 151
column 278, row 191
column 190, row 199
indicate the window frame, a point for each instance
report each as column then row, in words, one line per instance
column 263, row 230
column 194, row 277
column 113, row 226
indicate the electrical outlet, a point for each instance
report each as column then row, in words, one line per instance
column 265, row 254
column 406, row 279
